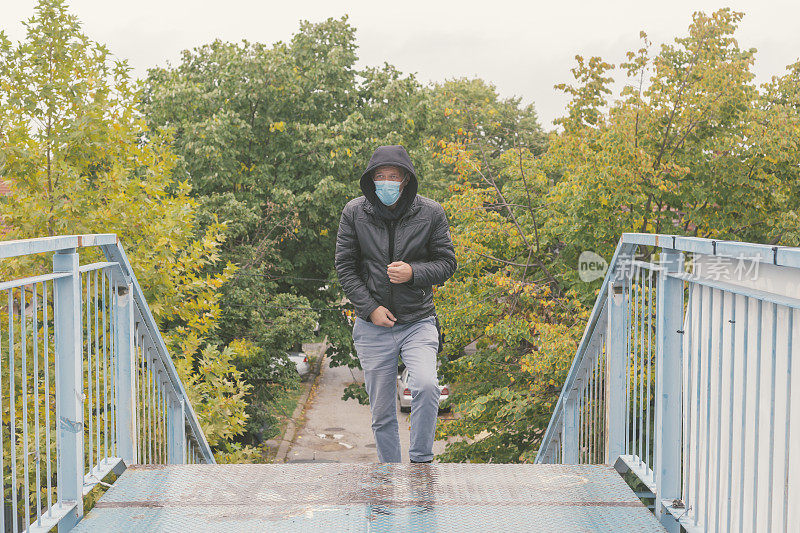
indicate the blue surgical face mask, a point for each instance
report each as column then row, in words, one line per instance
column 388, row 191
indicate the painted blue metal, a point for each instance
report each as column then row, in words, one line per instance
column 787, row 422
column 570, row 443
column 37, row 443
column 32, row 280
column 93, row 267
column 115, row 253
column 370, row 497
column 177, row 432
column 709, row 473
column 764, row 296
column 134, row 394
column 786, row 256
column 12, row 401
column 16, row 248
column 625, row 463
column 23, row 337
column 669, row 344
column 616, row 373
column 649, row 459
column 125, row 368
column 98, row 311
column 623, row 250
column 69, row 385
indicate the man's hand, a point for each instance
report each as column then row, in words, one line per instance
column 382, row 317
column 399, row 272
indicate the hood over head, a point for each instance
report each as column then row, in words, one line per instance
column 390, row 155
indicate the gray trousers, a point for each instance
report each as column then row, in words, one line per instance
column 377, row 348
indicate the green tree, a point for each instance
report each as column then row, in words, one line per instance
column 274, row 140
column 258, row 129
column 524, row 333
column 693, row 147
column 80, row 159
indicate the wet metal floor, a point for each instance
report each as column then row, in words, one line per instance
column 369, row 497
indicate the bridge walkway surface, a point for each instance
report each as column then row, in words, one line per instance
column 369, row 497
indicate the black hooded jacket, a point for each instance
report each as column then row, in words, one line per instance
column 371, row 236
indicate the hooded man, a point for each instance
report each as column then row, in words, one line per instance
column 393, row 245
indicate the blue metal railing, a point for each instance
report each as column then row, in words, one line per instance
column 684, row 378
column 88, row 387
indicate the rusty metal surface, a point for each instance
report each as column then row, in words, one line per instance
column 369, row 497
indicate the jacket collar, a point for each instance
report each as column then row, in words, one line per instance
column 415, row 206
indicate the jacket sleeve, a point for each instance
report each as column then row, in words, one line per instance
column 347, row 258
column 442, row 264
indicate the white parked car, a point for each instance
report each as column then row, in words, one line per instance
column 404, row 393
column 300, row 361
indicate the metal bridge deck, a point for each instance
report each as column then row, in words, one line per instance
column 369, row 497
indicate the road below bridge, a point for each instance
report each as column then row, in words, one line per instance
column 339, row 431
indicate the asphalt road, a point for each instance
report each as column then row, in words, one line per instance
column 339, row 431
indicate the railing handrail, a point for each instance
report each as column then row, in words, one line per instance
column 118, row 398
column 40, row 245
column 787, row 256
column 661, row 314
column 597, row 311
column 763, row 253
column 116, row 253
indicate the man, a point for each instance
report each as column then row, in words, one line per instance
column 393, row 245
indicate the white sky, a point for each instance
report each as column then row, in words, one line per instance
column 523, row 48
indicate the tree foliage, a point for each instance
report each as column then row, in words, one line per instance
column 692, row 146
column 225, row 176
column 79, row 159
column 274, row 140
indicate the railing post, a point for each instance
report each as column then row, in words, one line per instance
column 177, row 432
column 616, row 379
column 669, row 351
column 126, row 375
column 69, row 385
column 569, row 436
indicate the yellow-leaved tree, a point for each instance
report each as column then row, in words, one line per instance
column 79, row 158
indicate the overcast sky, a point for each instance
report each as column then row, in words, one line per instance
column 523, row 48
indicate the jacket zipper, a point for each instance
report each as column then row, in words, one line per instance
column 390, row 225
